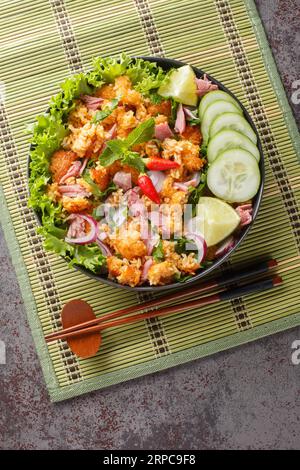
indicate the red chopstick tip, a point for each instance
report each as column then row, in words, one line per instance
column 277, row 280
column 272, row 263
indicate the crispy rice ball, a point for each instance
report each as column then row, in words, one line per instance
column 76, row 204
column 193, row 134
column 60, row 162
column 86, row 140
column 129, row 247
column 125, row 272
column 183, row 152
column 106, row 92
column 187, row 263
column 80, row 116
column 162, row 273
column 162, row 108
column 123, row 88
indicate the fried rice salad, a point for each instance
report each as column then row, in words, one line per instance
column 141, row 175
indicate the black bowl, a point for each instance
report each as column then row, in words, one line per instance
column 166, row 64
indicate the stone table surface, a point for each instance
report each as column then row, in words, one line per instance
column 247, row 397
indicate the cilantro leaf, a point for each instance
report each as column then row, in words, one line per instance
column 180, row 246
column 95, row 188
column 104, row 113
column 183, row 278
column 197, row 192
column 158, row 253
column 96, row 191
column 203, row 150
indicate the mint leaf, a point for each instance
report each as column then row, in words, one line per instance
column 140, row 134
column 117, row 147
column 158, row 253
column 107, row 157
column 134, row 159
column 104, row 113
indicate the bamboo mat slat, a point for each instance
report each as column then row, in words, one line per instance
column 42, row 42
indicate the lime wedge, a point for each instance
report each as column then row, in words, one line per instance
column 215, row 220
column 181, row 86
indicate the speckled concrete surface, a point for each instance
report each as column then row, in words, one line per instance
column 244, row 398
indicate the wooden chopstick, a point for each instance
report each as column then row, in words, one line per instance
column 225, row 295
column 221, row 281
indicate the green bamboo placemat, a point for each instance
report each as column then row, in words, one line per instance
column 41, row 42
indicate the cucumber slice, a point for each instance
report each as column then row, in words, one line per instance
column 228, row 139
column 213, row 96
column 212, row 111
column 234, row 176
column 233, row 121
column 181, row 86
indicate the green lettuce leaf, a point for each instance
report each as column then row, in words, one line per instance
column 88, row 256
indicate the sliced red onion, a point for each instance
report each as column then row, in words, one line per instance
column 245, row 214
column 74, row 189
column 195, row 180
column 146, row 267
column 102, row 236
column 200, row 244
column 157, row 178
column 180, row 123
column 227, row 245
column 162, row 131
column 91, row 102
column 104, row 248
column 87, row 237
column 204, row 86
column 184, row 186
column 74, row 170
column 84, row 163
column 123, row 180
column 181, row 186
